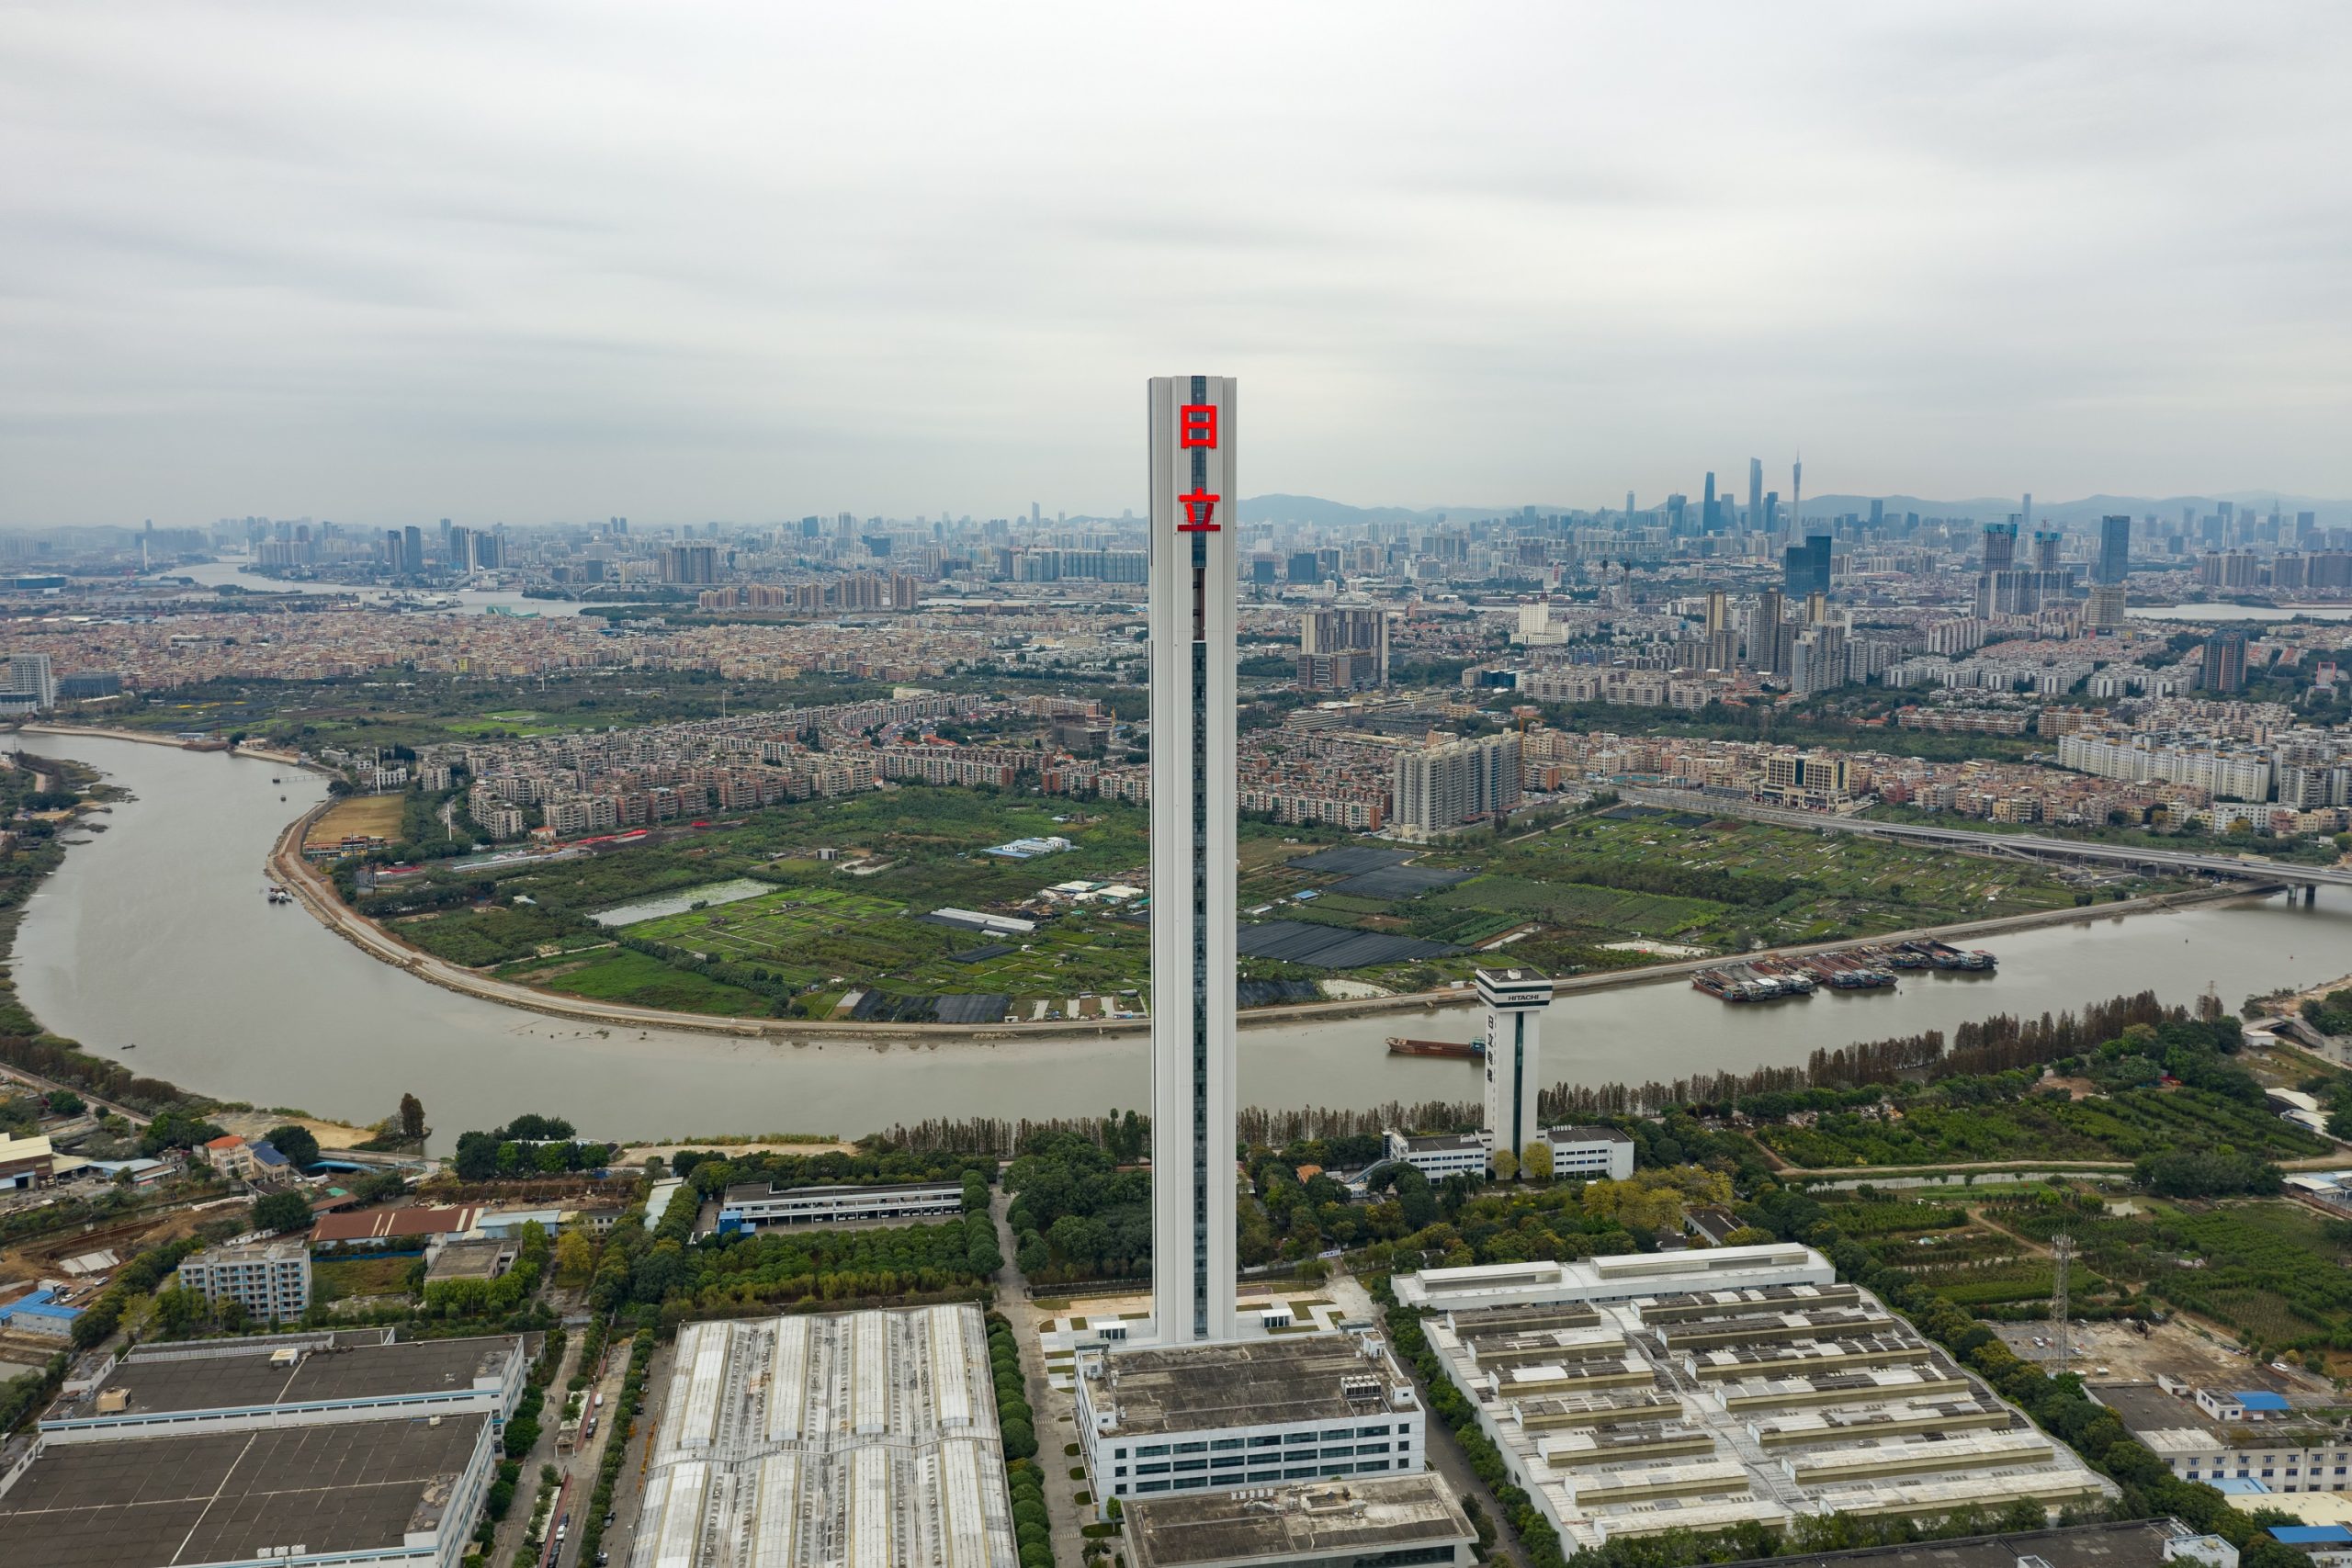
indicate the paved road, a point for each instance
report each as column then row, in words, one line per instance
column 526, row 1490
column 1445, row 1457
column 1057, row 1427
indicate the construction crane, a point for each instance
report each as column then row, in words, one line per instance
column 2062, row 1258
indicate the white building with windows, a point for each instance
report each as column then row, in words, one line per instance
column 270, row 1279
column 1440, row 1155
column 1298, row 1408
column 1589, row 1154
column 755, row 1204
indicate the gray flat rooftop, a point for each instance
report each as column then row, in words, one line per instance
column 371, row 1372
column 157, row 1502
column 1251, row 1382
column 2139, row 1544
column 1444, row 1143
column 1328, row 1520
column 758, row 1192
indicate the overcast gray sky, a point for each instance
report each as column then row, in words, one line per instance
column 751, row 261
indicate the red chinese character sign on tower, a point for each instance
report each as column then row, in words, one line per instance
column 1196, row 426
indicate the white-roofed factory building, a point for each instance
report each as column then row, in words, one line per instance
column 1722, row 1386
column 866, row 1439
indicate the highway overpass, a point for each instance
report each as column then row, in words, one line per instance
column 2023, row 846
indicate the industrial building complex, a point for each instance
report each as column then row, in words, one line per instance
column 345, row 1448
column 1710, row 1388
column 866, row 1439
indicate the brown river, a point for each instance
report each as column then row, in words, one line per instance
column 155, row 934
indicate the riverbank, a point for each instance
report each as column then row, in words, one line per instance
column 149, row 738
column 157, row 932
column 290, row 868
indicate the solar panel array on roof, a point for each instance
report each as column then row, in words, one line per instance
column 1399, row 882
column 1349, row 861
column 1332, row 947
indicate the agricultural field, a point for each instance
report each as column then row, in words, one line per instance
column 1937, row 1243
column 828, row 925
column 852, row 878
column 638, row 979
column 1731, row 884
column 2124, row 1126
column 2269, row 1269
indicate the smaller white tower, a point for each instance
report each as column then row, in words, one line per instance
column 1515, row 1000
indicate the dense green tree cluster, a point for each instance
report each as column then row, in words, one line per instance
column 2206, row 1173
column 136, row 1279
column 26, row 1394
column 297, row 1142
column 2171, row 1088
column 1015, row 1421
column 2330, row 1014
column 712, row 1171
column 174, row 1130
column 667, row 1275
column 530, row 1146
column 1075, row 1214
column 523, row 1427
column 285, row 1212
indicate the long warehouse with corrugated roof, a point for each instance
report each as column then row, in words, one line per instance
column 864, row 1438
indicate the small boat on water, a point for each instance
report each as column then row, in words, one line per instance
column 1457, row 1050
column 130, row 1045
column 276, row 895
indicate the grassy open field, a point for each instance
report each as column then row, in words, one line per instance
column 364, row 815
column 333, row 1278
column 852, row 878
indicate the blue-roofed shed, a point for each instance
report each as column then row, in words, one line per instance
column 2256, row 1399
column 2312, row 1535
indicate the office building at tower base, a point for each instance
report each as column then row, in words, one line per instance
column 1266, row 1412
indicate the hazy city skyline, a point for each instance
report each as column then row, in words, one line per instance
column 540, row 262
